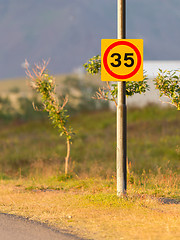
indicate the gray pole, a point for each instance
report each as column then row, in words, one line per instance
column 121, row 110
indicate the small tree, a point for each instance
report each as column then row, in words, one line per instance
column 167, row 82
column 109, row 93
column 44, row 84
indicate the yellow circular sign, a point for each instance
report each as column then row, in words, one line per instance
column 122, row 60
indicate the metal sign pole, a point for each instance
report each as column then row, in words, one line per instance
column 121, row 110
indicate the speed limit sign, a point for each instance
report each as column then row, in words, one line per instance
column 121, row 59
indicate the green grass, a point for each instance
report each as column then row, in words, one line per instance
column 154, row 139
column 153, row 143
column 147, row 184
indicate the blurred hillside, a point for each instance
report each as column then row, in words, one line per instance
column 17, row 96
column 69, row 32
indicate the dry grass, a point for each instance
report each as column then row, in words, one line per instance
column 95, row 215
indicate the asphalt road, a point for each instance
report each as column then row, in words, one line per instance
column 16, row 228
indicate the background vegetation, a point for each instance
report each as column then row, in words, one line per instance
column 29, row 144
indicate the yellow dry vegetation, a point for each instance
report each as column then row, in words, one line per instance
column 87, row 215
column 7, row 85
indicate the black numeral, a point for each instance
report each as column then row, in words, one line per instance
column 128, row 58
column 118, row 60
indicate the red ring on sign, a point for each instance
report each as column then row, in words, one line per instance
column 129, row 75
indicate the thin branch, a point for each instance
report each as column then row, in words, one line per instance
column 173, row 104
column 36, row 108
column 65, row 101
column 101, row 94
column 111, row 94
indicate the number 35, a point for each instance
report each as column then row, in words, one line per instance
column 127, row 58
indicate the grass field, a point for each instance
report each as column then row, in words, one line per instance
column 153, row 143
column 33, row 183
